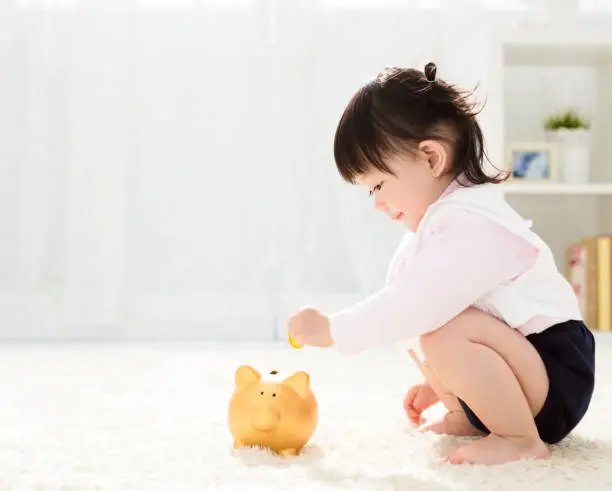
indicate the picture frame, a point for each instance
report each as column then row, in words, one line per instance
column 533, row 162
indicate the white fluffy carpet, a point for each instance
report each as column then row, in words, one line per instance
column 153, row 417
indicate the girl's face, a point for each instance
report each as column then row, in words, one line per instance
column 418, row 182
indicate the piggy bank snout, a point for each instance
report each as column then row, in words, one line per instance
column 265, row 418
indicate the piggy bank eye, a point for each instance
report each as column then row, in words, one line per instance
column 273, row 395
column 261, row 393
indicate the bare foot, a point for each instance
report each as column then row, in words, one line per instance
column 494, row 449
column 439, row 419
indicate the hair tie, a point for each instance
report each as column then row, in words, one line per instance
column 430, row 72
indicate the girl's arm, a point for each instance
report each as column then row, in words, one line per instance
column 464, row 257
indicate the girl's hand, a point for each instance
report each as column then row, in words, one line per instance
column 309, row 327
column 418, row 399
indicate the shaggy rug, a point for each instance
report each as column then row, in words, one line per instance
column 154, row 417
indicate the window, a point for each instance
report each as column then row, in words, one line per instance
column 514, row 5
column 595, row 6
column 518, row 5
column 145, row 4
column 381, row 4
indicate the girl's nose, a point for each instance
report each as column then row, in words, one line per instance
column 379, row 204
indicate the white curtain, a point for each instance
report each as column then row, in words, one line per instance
column 166, row 167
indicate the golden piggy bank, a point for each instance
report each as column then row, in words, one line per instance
column 278, row 414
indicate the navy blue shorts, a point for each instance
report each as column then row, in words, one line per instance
column 568, row 352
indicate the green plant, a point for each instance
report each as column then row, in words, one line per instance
column 569, row 119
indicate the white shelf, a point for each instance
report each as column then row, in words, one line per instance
column 558, row 188
column 543, row 55
column 563, row 45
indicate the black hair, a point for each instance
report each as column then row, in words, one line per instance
column 399, row 109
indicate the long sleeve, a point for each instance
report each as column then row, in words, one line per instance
column 464, row 256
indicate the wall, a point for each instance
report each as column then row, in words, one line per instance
column 532, row 93
column 167, row 173
column 605, row 149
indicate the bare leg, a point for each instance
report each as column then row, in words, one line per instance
column 449, row 420
column 499, row 374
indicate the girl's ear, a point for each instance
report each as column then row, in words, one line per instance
column 436, row 155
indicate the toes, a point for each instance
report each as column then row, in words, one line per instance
column 454, row 459
column 545, row 454
column 424, row 428
column 434, row 427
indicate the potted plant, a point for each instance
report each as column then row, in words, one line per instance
column 571, row 132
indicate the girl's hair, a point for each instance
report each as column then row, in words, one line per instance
column 401, row 108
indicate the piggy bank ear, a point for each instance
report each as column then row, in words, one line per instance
column 299, row 382
column 246, row 375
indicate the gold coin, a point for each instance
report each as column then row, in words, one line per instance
column 292, row 342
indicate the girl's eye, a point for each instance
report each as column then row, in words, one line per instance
column 376, row 188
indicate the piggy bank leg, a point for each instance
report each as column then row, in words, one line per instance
column 238, row 444
column 289, row 452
